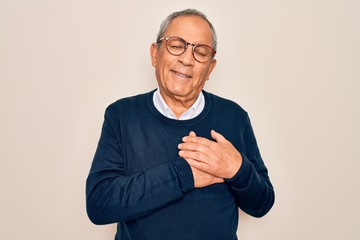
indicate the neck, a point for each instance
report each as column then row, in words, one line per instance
column 178, row 105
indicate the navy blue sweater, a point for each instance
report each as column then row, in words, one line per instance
column 138, row 180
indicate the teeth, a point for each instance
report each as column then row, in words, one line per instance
column 182, row 75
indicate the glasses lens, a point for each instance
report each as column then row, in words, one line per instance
column 203, row 53
column 176, row 46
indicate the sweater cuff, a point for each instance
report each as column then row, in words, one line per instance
column 241, row 178
column 185, row 174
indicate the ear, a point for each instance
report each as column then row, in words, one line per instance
column 211, row 68
column 153, row 54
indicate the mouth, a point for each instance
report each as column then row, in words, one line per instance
column 181, row 74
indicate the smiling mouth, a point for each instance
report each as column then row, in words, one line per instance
column 181, row 75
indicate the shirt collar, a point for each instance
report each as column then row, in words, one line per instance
column 164, row 109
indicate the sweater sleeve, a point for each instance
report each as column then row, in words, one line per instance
column 251, row 185
column 112, row 196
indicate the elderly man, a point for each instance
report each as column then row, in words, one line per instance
column 178, row 162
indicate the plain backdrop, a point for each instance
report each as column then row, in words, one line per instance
column 293, row 65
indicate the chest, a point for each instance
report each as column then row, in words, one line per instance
column 147, row 146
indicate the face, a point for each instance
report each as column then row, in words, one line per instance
column 181, row 78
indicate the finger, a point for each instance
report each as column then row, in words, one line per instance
column 218, row 137
column 195, row 155
column 199, row 140
column 198, row 165
column 195, row 147
column 192, row 133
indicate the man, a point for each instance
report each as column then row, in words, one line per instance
column 178, row 162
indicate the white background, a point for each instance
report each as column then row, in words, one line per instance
column 293, row 65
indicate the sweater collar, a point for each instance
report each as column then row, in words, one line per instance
column 191, row 113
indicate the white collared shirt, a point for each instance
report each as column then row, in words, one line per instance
column 164, row 109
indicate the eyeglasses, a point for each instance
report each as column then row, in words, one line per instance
column 177, row 46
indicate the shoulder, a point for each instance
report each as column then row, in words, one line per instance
column 128, row 104
column 224, row 105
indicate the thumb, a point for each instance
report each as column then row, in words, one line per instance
column 217, row 136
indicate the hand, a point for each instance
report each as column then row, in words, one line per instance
column 218, row 158
column 202, row 179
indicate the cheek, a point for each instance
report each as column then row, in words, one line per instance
column 203, row 74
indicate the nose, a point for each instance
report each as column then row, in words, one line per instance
column 187, row 57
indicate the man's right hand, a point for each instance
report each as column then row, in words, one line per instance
column 201, row 178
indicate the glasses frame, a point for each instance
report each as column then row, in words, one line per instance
column 213, row 52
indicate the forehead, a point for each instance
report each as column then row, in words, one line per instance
column 193, row 29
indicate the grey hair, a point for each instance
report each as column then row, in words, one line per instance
column 186, row 12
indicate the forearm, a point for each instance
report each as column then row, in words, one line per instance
column 252, row 189
column 112, row 197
